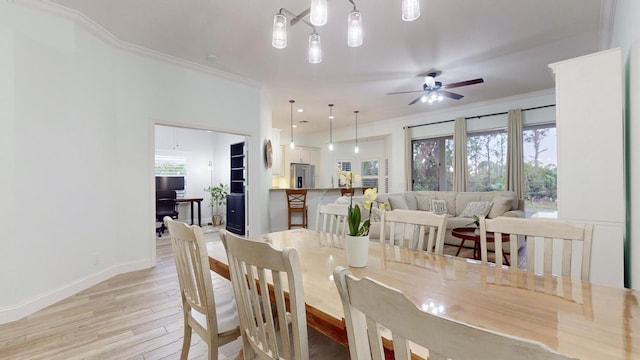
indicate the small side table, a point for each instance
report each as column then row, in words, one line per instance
column 473, row 234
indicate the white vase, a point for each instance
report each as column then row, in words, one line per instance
column 357, row 249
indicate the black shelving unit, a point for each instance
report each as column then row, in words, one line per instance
column 235, row 198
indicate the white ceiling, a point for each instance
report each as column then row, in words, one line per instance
column 509, row 43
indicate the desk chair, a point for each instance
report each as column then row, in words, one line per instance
column 545, row 238
column 270, row 297
column 165, row 206
column 210, row 312
column 297, row 204
column 370, row 306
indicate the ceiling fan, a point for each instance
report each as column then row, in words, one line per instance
column 433, row 91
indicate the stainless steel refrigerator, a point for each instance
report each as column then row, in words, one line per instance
column 302, row 176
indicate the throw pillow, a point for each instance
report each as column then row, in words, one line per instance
column 501, row 204
column 477, row 208
column 439, row 206
column 397, row 202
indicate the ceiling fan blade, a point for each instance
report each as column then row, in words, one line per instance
column 416, row 100
column 463, row 83
column 405, row 92
column 451, row 95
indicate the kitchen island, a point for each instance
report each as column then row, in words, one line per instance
column 315, row 196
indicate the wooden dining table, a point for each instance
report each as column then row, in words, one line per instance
column 576, row 318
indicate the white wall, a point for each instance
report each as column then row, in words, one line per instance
column 78, row 113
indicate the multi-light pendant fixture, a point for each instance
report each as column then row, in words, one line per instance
column 317, row 13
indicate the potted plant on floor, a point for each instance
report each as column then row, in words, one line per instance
column 218, row 197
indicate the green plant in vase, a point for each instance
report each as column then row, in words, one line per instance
column 218, row 198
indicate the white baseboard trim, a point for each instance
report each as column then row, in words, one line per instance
column 51, row 297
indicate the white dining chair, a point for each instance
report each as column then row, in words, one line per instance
column 212, row 314
column 368, row 319
column 408, row 228
column 268, row 285
column 332, row 218
column 550, row 244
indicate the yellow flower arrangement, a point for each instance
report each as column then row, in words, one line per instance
column 354, row 215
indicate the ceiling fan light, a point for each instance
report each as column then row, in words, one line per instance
column 279, row 37
column 424, row 98
column 318, row 15
column 315, row 50
column 354, row 29
column 440, row 97
column 410, row 10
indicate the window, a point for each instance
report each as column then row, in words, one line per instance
column 345, row 165
column 486, row 160
column 432, row 165
column 170, row 165
column 369, row 173
column 540, row 170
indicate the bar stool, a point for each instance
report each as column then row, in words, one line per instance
column 346, row 191
column 297, row 203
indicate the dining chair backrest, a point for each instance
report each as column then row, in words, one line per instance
column 297, row 203
column 332, row 218
column 408, row 228
column 366, row 315
column 269, row 330
column 211, row 314
column 558, row 240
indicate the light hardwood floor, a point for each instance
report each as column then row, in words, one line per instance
column 130, row 316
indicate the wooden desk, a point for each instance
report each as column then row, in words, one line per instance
column 576, row 318
column 191, row 201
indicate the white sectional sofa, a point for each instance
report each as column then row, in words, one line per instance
column 502, row 203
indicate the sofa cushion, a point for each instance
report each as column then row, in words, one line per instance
column 476, row 208
column 424, row 201
column 398, row 202
column 439, row 206
column 410, row 198
column 501, row 204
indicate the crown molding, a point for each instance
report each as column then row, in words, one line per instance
column 113, row 40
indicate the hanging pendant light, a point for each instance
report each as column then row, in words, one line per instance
column 291, row 144
column 354, row 28
column 315, row 50
column 330, row 127
column 279, row 36
column 357, row 149
column 410, row 10
column 318, row 14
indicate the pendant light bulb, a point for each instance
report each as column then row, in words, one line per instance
column 315, row 49
column 279, row 36
column 354, row 29
column 330, row 127
column 291, row 144
column 357, row 149
column 318, row 14
column 410, row 10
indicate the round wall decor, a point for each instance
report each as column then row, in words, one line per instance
column 268, row 154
